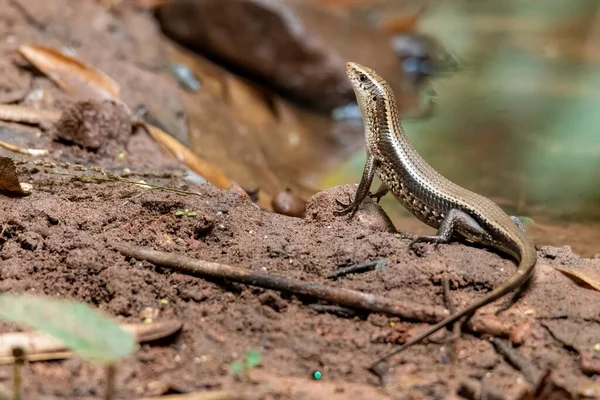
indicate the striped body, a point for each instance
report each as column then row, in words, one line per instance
column 428, row 195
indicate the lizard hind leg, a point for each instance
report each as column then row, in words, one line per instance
column 455, row 221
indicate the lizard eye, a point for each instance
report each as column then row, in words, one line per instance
column 362, row 78
column 375, row 98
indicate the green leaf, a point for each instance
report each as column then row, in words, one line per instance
column 237, row 367
column 252, row 358
column 84, row 330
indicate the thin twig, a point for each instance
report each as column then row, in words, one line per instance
column 115, row 178
column 529, row 371
column 339, row 296
column 28, row 16
column 19, row 357
column 456, row 330
column 357, row 268
column 140, row 194
column 343, row 312
column 111, row 371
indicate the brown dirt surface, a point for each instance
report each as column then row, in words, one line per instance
column 59, row 240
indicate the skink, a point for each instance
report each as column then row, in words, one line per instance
column 433, row 199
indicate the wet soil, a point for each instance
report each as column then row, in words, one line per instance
column 59, row 240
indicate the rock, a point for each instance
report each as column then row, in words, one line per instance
column 321, row 207
column 287, row 203
column 590, row 362
column 299, row 49
column 94, row 125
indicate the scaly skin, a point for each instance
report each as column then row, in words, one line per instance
column 433, row 199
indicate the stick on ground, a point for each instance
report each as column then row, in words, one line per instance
column 532, row 374
column 357, row 269
column 456, row 326
column 339, row 296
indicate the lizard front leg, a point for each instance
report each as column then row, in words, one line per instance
column 455, row 220
column 363, row 188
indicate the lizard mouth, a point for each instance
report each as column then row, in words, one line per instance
column 352, row 69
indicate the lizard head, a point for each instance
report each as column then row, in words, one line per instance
column 372, row 92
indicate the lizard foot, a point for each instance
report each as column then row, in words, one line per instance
column 435, row 240
column 347, row 208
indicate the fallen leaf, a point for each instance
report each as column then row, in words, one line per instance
column 23, row 150
column 9, row 178
column 28, row 115
column 590, row 278
column 224, row 122
column 206, row 170
column 73, row 76
column 39, row 346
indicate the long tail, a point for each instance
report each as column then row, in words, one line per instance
column 521, row 275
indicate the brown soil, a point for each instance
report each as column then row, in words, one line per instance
column 58, row 242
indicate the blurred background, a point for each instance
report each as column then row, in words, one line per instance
column 501, row 97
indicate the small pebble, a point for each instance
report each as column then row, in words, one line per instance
column 287, row 203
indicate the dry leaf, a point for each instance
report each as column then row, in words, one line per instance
column 27, row 115
column 73, row 76
column 590, row 278
column 39, row 346
column 9, row 179
column 208, row 171
column 23, row 150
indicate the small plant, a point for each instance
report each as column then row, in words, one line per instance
column 82, row 329
column 186, row 212
column 251, row 360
